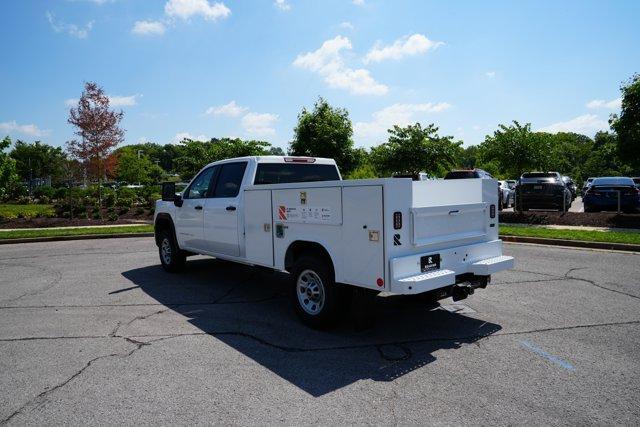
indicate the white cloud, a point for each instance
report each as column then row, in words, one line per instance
column 490, row 74
column 185, row 9
column 30, row 129
column 71, row 29
column 328, row 62
column 114, row 101
column 282, row 4
column 155, row 28
column 346, row 25
column 396, row 114
column 587, row 124
column 230, row 110
column 186, row 135
column 260, row 124
column 123, row 101
column 614, row 104
column 358, row 2
column 403, row 47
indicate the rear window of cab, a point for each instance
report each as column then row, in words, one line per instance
column 287, row 173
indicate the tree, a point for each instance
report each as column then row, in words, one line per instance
column 8, row 175
column 516, row 149
column 627, row 124
column 136, row 169
column 468, row 157
column 414, row 149
column 193, row 155
column 325, row 132
column 603, row 159
column 97, row 128
column 38, row 160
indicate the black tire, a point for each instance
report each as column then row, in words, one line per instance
column 329, row 298
column 172, row 258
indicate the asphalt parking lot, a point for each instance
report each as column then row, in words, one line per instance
column 94, row 332
column 576, row 206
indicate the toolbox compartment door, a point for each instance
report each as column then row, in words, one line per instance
column 258, row 227
column 362, row 236
column 450, row 223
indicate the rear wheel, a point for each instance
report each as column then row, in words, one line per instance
column 316, row 298
column 171, row 257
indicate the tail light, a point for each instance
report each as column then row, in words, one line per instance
column 397, row 220
column 299, row 160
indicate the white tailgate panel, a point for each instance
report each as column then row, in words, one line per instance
column 258, row 227
column 432, row 225
column 362, row 207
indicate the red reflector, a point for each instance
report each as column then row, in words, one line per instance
column 492, row 211
column 380, row 282
column 299, row 160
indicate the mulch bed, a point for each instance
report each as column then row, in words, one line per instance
column 596, row 219
column 65, row 222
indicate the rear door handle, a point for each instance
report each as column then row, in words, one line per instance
column 231, row 208
column 198, row 208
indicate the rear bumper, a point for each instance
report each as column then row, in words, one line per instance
column 481, row 259
column 540, row 200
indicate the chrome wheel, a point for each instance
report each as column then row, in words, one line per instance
column 310, row 292
column 165, row 250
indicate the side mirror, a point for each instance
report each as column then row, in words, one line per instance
column 177, row 200
column 168, row 191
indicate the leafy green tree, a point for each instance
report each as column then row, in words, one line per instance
column 275, row 151
column 516, row 149
column 38, row 160
column 414, row 149
column 604, row 158
column 193, row 155
column 8, row 175
column 325, row 132
column 627, row 124
column 468, row 157
column 137, row 169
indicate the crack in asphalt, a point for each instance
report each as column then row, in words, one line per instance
column 566, row 276
column 57, row 277
column 42, row 397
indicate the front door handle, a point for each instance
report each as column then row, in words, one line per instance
column 198, row 208
column 231, row 208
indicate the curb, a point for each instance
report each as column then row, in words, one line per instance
column 514, row 239
column 76, row 237
column 572, row 243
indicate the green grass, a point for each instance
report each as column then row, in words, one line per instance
column 9, row 211
column 584, row 235
column 47, row 232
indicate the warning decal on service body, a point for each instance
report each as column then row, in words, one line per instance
column 305, row 214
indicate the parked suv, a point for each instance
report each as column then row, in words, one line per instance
column 476, row 173
column 542, row 190
column 568, row 182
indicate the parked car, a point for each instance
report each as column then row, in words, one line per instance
column 542, row 190
column 476, row 173
column 586, row 185
column 636, row 180
column 438, row 239
column 507, row 194
column 512, row 185
column 571, row 186
column 611, row 193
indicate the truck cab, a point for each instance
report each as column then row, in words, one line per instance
column 295, row 214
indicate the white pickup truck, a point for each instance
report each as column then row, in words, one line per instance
column 296, row 214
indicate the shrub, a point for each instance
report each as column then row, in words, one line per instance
column 123, row 210
column 96, row 214
column 44, row 192
column 113, row 216
column 108, row 197
column 60, row 193
column 139, row 211
column 127, row 193
column 83, row 215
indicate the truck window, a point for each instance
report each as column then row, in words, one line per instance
column 199, row 188
column 229, row 179
column 286, row 173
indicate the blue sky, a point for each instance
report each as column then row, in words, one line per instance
column 246, row 68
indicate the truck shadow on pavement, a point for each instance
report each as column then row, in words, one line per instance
column 248, row 309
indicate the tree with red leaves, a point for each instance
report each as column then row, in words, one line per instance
column 97, row 129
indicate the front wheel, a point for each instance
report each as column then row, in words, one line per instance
column 171, row 257
column 316, row 298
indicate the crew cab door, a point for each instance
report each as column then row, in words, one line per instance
column 222, row 210
column 189, row 217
